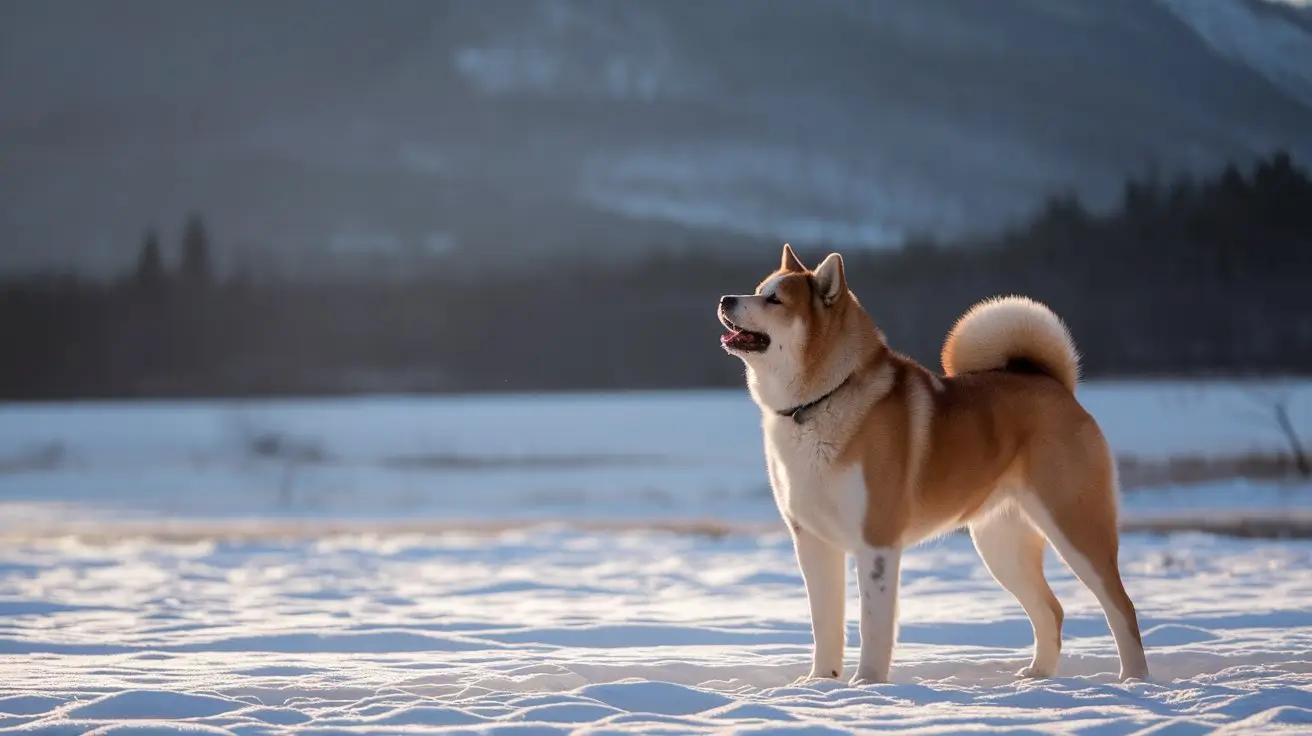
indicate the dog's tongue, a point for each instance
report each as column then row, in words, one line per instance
column 741, row 339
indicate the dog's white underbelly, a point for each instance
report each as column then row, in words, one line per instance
column 827, row 501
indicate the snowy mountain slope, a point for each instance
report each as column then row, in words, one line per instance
column 614, row 126
column 1275, row 45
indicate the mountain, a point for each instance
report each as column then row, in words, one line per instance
column 484, row 130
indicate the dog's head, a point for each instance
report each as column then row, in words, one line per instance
column 799, row 325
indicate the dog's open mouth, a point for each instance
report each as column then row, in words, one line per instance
column 743, row 340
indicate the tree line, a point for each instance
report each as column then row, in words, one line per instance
column 1186, row 277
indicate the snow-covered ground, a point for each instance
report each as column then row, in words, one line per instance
column 552, row 630
column 161, row 570
column 638, row 455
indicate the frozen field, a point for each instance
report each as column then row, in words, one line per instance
column 171, row 568
column 547, row 631
column 630, row 456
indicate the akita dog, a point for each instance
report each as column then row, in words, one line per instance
column 868, row 453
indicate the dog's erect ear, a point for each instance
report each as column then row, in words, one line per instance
column 790, row 262
column 829, row 278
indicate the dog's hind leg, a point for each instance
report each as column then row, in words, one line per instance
column 825, row 576
column 1077, row 513
column 1012, row 551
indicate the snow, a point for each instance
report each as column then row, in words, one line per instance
column 1275, row 48
column 641, row 631
column 552, row 47
column 628, row 455
column 476, row 564
column 734, row 187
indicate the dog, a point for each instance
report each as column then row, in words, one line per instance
column 868, row 453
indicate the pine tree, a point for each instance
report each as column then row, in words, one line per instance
column 150, row 262
column 196, row 269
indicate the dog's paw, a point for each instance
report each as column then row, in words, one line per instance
column 814, row 677
column 863, row 680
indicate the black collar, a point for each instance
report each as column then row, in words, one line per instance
column 800, row 412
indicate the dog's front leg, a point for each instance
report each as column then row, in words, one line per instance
column 826, row 590
column 878, row 573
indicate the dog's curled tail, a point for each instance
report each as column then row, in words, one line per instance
column 1012, row 333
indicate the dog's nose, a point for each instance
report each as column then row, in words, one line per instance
column 728, row 302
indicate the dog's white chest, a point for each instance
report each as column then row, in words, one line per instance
column 809, row 489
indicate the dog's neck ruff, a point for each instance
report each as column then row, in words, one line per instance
column 800, row 413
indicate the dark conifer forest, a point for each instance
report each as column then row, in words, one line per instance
column 1187, row 277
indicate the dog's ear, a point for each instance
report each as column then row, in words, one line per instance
column 829, row 278
column 790, row 261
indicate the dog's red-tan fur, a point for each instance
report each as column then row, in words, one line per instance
column 998, row 443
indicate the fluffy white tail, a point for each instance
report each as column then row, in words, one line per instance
column 1012, row 333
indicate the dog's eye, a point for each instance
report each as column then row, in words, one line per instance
column 772, row 299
